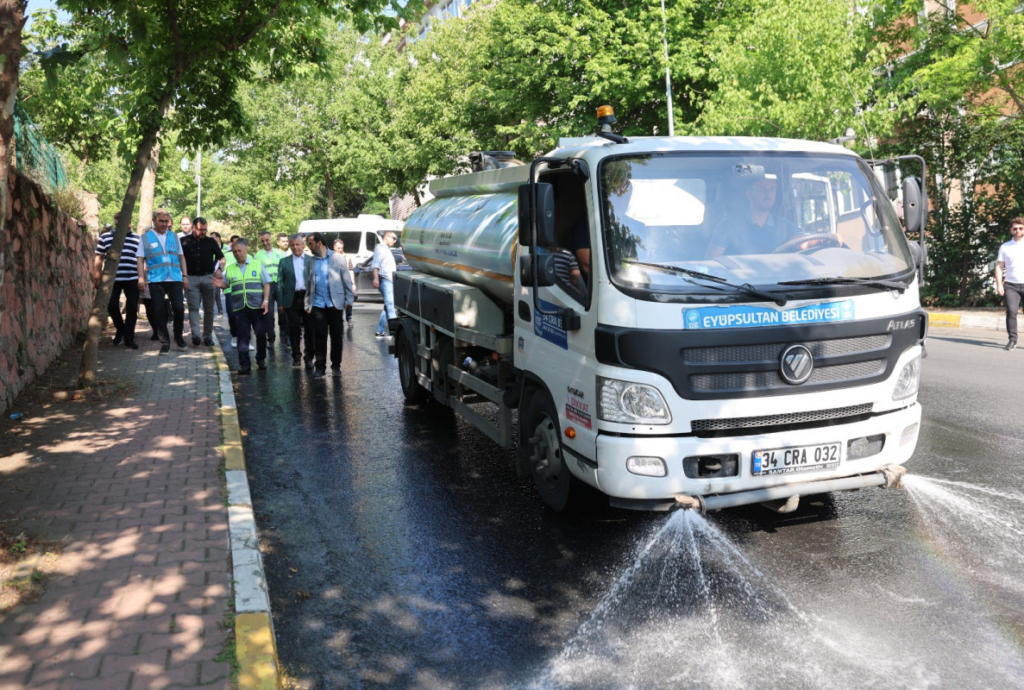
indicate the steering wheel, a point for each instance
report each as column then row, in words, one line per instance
column 810, row 243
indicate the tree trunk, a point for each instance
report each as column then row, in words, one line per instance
column 12, row 19
column 90, row 351
column 148, row 190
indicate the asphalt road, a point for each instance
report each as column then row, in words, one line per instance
column 403, row 552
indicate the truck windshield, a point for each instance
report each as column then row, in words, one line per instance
column 761, row 219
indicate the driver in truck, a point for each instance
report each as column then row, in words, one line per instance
column 759, row 230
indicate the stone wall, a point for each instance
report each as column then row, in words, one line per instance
column 45, row 285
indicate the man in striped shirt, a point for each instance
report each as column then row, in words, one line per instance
column 126, row 281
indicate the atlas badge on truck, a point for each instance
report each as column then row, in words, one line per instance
column 895, row 325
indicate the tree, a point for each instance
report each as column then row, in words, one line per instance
column 170, row 83
column 950, row 75
column 794, row 69
column 12, row 20
column 81, row 112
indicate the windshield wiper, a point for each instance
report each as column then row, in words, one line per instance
column 839, row 280
column 747, row 288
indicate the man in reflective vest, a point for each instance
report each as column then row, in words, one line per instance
column 229, row 259
column 250, row 299
column 270, row 256
column 162, row 268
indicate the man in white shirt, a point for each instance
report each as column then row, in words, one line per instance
column 1010, row 277
column 383, row 266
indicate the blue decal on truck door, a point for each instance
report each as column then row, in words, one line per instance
column 549, row 327
column 708, row 318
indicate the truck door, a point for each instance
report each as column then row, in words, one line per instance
column 556, row 349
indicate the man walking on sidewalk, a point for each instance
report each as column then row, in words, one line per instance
column 125, row 281
column 291, row 299
column 384, row 267
column 203, row 258
column 270, row 256
column 186, row 227
column 1010, row 277
column 284, row 250
column 250, row 301
column 162, row 268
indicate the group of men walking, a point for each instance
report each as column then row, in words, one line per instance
column 155, row 268
column 302, row 282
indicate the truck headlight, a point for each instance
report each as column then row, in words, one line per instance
column 909, row 380
column 630, row 403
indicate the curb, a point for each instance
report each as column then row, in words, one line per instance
column 255, row 645
column 990, row 322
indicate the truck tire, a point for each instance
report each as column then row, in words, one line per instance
column 551, row 475
column 414, row 392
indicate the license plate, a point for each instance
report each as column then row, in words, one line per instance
column 824, row 456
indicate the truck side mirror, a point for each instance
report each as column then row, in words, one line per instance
column 915, row 206
column 545, row 269
column 545, row 214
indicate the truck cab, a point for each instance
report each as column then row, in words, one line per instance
column 697, row 322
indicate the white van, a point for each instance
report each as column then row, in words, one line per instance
column 360, row 235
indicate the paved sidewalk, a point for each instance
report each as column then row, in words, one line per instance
column 134, row 490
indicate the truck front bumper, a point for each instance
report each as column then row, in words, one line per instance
column 898, row 428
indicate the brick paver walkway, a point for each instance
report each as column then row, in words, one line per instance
column 133, row 489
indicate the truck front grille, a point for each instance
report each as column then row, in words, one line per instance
column 762, row 380
column 770, row 352
column 724, row 424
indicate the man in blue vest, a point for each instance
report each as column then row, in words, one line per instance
column 162, row 268
column 250, row 302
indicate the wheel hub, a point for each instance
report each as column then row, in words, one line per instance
column 546, row 455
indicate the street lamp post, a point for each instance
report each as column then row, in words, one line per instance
column 198, row 179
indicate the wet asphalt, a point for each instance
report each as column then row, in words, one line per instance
column 403, row 552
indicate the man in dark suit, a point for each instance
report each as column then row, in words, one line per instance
column 328, row 291
column 291, row 298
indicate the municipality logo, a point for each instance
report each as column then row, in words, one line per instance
column 692, row 318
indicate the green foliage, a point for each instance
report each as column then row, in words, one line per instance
column 307, row 118
column 793, row 69
column 67, row 200
column 79, row 112
column 957, row 96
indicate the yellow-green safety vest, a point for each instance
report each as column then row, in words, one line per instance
column 229, row 260
column 271, row 260
column 245, row 290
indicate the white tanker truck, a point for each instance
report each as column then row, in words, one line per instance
column 679, row 322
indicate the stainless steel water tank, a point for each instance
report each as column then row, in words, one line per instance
column 468, row 232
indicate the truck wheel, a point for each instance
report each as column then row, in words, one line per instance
column 414, row 392
column 555, row 483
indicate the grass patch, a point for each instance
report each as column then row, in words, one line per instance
column 229, row 655
column 25, row 567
